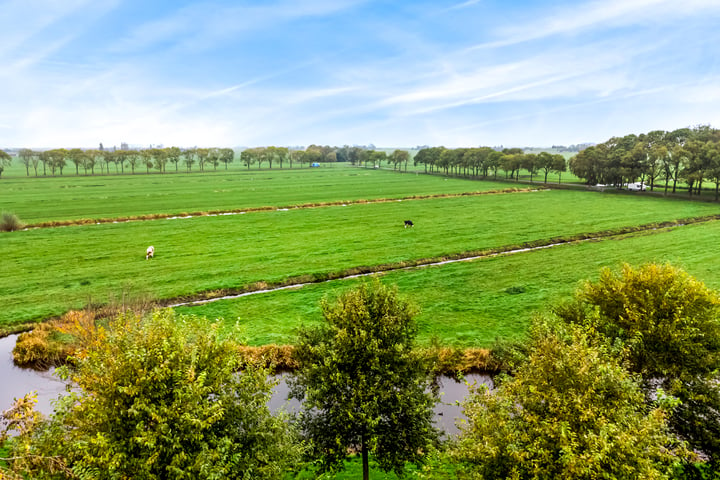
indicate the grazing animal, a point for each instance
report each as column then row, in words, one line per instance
column 150, row 252
column 408, row 223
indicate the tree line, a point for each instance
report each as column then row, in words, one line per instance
column 322, row 154
column 619, row 382
column 687, row 155
column 56, row 161
column 482, row 161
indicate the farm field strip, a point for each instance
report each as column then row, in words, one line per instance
column 49, row 271
column 37, row 200
column 473, row 303
column 462, row 257
column 241, row 211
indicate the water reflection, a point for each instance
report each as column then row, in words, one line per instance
column 16, row 382
column 447, row 411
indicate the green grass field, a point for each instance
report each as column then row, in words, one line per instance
column 49, row 271
column 471, row 303
column 65, row 198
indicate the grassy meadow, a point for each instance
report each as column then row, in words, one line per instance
column 471, row 303
column 51, row 270
column 46, row 199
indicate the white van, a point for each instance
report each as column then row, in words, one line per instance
column 638, row 186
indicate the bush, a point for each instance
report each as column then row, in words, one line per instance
column 570, row 411
column 161, row 397
column 10, row 222
column 669, row 324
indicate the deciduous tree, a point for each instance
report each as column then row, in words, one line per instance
column 363, row 386
column 570, row 411
column 5, row 160
column 173, row 155
column 227, row 155
column 669, row 323
column 77, row 157
column 26, row 157
column 399, row 157
column 189, row 155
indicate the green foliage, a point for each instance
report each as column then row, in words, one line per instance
column 570, row 411
column 670, row 325
column 667, row 319
column 10, row 222
column 20, row 419
column 5, row 160
column 364, row 388
column 162, row 397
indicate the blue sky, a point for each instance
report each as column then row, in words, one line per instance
column 74, row 73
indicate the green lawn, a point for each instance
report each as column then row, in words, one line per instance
column 49, row 271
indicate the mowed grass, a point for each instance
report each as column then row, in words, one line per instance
column 473, row 303
column 37, row 200
column 49, row 271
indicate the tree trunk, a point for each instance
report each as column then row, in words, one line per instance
column 365, row 462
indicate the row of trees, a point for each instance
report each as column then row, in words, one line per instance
column 280, row 155
column 323, row 154
column 621, row 382
column 689, row 155
column 481, row 161
column 466, row 161
column 56, row 160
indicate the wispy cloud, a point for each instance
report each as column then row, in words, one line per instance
column 468, row 3
column 595, row 15
column 352, row 71
column 201, row 25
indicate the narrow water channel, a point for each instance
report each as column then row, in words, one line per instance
column 16, row 382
